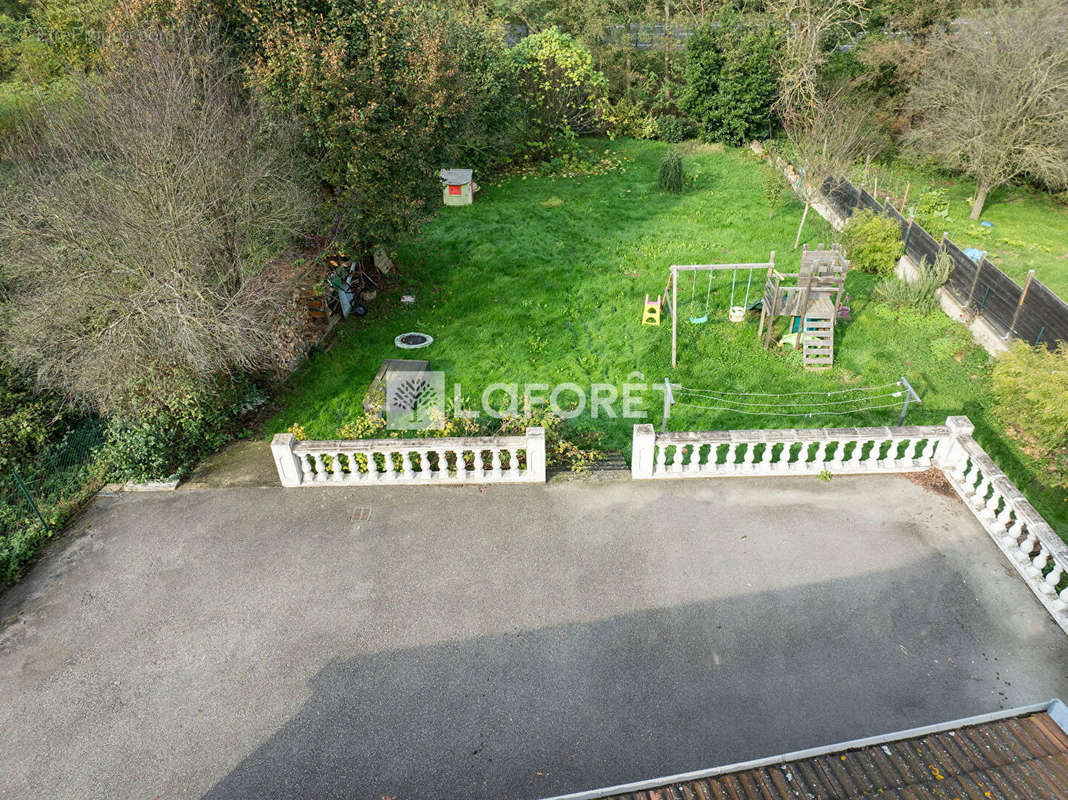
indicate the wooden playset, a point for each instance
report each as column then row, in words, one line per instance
column 811, row 298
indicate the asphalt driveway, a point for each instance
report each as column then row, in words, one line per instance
column 499, row 642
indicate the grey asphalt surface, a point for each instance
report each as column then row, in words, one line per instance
column 506, row 642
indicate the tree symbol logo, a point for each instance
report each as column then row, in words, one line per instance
column 415, row 402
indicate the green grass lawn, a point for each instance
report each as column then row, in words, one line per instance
column 1030, row 227
column 519, row 289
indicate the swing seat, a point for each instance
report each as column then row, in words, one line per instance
column 699, row 320
column 736, row 314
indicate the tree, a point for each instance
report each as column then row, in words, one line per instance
column 810, row 26
column 991, row 100
column 826, row 137
column 732, row 78
column 387, row 93
column 827, row 130
column 137, row 235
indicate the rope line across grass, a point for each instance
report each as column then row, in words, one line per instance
column 854, row 400
column 818, row 405
column 789, row 413
column 783, row 394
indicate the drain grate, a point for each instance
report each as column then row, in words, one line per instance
column 361, row 514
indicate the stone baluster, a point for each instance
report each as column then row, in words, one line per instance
column 784, row 464
column 978, row 499
column 728, row 457
column 838, row 459
column 510, row 464
column 1038, row 563
column 767, row 455
column 749, row 456
column 891, row 453
column 1011, row 539
column 694, row 451
column 1049, row 583
column 676, row 458
column 960, row 469
column 1005, row 516
column 320, row 468
column 821, row 454
column 853, row 462
column 969, row 476
column 990, row 510
column 788, row 453
column 661, row 458
column 928, row 451
column 1060, row 605
column 1023, row 550
column 339, row 473
column 495, row 463
column 709, row 464
column 300, row 465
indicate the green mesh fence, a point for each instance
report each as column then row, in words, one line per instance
column 36, row 497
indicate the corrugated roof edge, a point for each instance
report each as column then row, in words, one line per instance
column 1055, row 708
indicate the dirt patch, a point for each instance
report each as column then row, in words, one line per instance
column 933, row 481
column 244, row 463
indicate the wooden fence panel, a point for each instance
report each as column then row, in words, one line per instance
column 996, row 297
column 869, row 203
column 922, row 245
column 1043, row 316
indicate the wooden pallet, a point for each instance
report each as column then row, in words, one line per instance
column 817, row 340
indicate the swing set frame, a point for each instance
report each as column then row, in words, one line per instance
column 673, row 287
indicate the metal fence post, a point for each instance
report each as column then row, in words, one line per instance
column 910, row 395
column 29, row 499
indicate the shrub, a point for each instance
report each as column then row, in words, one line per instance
column 932, row 209
column 872, row 242
column 561, row 94
column 630, row 119
column 106, row 281
column 566, row 448
column 672, row 129
column 29, row 422
column 920, row 293
column 671, row 178
column 1030, row 386
column 173, row 423
column 732, row 78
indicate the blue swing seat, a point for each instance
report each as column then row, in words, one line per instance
column 699, row 320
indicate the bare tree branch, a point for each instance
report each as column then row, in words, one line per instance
column 992, row 98
column 137, row 238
